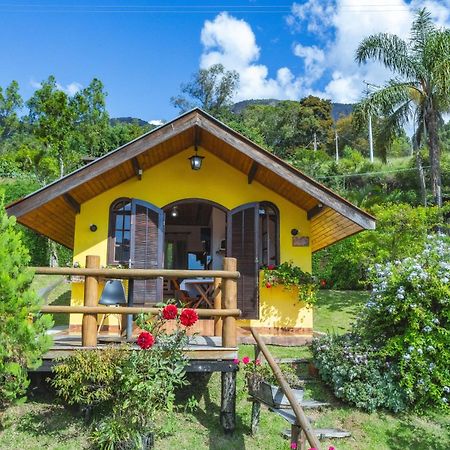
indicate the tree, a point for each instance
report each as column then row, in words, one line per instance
column 420, row 91
column 23, row 334
column 52, row 117
column 92, row 119
column 210, row 89
column 10, row 103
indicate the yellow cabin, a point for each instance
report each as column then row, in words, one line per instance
column 184, row 196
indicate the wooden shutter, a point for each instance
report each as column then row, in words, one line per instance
column 147, row 244
column 242, row 244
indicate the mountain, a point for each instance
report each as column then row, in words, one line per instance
column 337, row 109
column 133, row 120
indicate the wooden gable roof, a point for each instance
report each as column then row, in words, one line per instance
column 51, row 210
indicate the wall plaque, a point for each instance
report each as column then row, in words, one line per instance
column 300, row 241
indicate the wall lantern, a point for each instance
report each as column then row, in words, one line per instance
column 196, row 160
column 93, row 227
column 294, row 232
column 174, row 211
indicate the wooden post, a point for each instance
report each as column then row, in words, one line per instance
column 228, row 402
column 217, row 305
column 229, row 339
column 295, row 437
column 229, row 301
column 89, row 327
column 256, row 410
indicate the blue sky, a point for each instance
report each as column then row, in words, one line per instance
column 143, row 50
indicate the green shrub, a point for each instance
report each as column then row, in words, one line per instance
column 399, row 352
column 408, row 319
column 23, row 337
column 356, row 374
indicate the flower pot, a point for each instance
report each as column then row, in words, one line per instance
column 271, row 395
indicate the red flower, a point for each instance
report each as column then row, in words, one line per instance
column 323, row 283
column 268, row 285
column 245, row 359
column 170, row 312
column 257, row 362
column 145, row 340
column 188, row 317
column 271, row 266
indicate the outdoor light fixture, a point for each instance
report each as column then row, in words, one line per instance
column 294, row 231
column 196, row 160
column 93, row 227
column 174, row 212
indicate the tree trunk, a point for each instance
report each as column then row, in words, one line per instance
column 435, row 155
column 423, row 186
column 61, row 165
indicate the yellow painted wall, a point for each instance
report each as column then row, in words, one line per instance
column 217, row 181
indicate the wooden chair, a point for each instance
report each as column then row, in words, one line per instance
column 186, row 301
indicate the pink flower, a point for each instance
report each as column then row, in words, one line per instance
column 331, row 448
column 312, row 448
column 245, row 359
column 257, row 362
column 272, row 267
column 236, row 361
column 293, row 445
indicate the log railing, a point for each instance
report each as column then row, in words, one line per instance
column 225, row 309
column 302, row 424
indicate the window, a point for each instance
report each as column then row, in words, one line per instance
column 269, row 234
column 120, row 232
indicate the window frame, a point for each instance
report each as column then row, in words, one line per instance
column 264, row 204
column 111, row 257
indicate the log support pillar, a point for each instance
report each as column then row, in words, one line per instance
column 217, row 305
column 89, row 325
column 228, row 402
column 256, row 411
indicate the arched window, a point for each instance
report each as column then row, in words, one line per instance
column 269, row 234
column 120, row 232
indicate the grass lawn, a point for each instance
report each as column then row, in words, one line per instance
column 43, row 424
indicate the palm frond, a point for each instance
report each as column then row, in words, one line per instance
column 421, row 28
column 389, row 49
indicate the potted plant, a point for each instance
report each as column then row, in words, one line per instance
column 262, row 384
column 291, row 277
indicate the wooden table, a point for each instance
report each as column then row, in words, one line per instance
column 204, row 287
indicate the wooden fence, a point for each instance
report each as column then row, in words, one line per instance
column 224, row 312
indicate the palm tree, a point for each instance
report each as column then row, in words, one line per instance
column 420, row 91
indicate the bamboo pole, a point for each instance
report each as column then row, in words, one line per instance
column 217, row 294
column 136, row 273
column 50, row 309
column 229, row 298
column 302, row 420
column 89, row 325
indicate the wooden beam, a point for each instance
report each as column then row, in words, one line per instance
column 72, row 203
column 137, row 168
column 137, row 273
column 252, row 172
column 316, row 210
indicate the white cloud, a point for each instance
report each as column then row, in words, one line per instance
column 314, row 59
column 156, row 122
column 231, row 42
column 341, row 25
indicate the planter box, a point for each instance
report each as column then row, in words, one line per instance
column 272, row 395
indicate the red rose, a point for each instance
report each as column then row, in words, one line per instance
column 170, row 312
column 271, row 266
column 268, row 285
column 245, row 359
column 145, row 340
column 188, row 317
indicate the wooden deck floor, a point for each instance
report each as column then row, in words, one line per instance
column 205, row 353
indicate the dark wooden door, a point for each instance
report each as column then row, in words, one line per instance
column 147, row 250
column 242, row 244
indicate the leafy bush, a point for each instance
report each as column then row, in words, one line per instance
column 357, row 375
column 128, row 387
column 23, row 337
column 399, row 352
column 408, row 319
